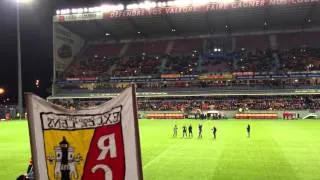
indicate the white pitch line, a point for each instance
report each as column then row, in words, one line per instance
column 158, row 156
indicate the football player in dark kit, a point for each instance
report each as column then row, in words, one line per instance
column 200, row 131
column 248, row 130
column 214, row 131
column 184, row 131
column 175, row 131
column 190, row 131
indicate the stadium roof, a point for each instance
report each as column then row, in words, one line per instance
column 259, row 19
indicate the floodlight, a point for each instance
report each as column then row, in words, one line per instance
column 135, row 6
column 91, row 9
column 24, row 1
column 107, row 34
column 228, row 1
column 105, row 8
column 153, row 4
column 85, row 10
column 164, row 4
column 147, row 5
column 200, row 2
column 143, row 5
column 97, row 9
column 132, row 6
column 74, row 11
column 58, row 12
column 171, row 3
column 182, row 3
column 80, row 10
column 65, row 11
column 120, row 7
column 94, row 9
column 159, row 4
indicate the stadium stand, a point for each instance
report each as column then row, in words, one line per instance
column 226, row 67
column 189, row 54
column 272, row 103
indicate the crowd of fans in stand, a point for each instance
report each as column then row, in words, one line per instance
column 195, row 62
column 300, row 59
column 211, row 103
column 138, row 65
column 214, row 103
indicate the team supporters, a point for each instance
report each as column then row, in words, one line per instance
column 311, row 102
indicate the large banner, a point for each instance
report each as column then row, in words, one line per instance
column 66, row 45
column 173, row 9
column 101, row 143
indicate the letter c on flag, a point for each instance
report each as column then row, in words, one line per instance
column 105, row 168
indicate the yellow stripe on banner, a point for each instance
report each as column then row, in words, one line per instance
column 79, row 141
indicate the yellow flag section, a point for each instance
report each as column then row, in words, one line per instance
column 77, row 149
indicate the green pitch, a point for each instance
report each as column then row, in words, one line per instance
column 277, row 149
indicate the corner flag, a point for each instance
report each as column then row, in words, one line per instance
column 100, row 143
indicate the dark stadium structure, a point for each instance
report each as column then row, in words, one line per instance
column 256, row 55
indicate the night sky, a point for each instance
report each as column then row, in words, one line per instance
column 36, row 43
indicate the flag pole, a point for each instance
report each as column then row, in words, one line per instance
column 136, row 124
column 31, row 125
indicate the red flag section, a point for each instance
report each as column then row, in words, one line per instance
column 105, row 158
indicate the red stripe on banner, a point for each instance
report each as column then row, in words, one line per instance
column 105, row 158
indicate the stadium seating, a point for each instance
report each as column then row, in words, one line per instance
column 251, row 43
column 111, row 50
column 186, row 46
column 102, row 61
column 167, row 63
column 148, row 47
column 187, row 104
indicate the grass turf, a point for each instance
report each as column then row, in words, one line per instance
column 277, row 149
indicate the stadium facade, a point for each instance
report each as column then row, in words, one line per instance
column 191, row 51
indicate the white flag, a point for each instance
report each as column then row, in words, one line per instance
column 100, row 143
